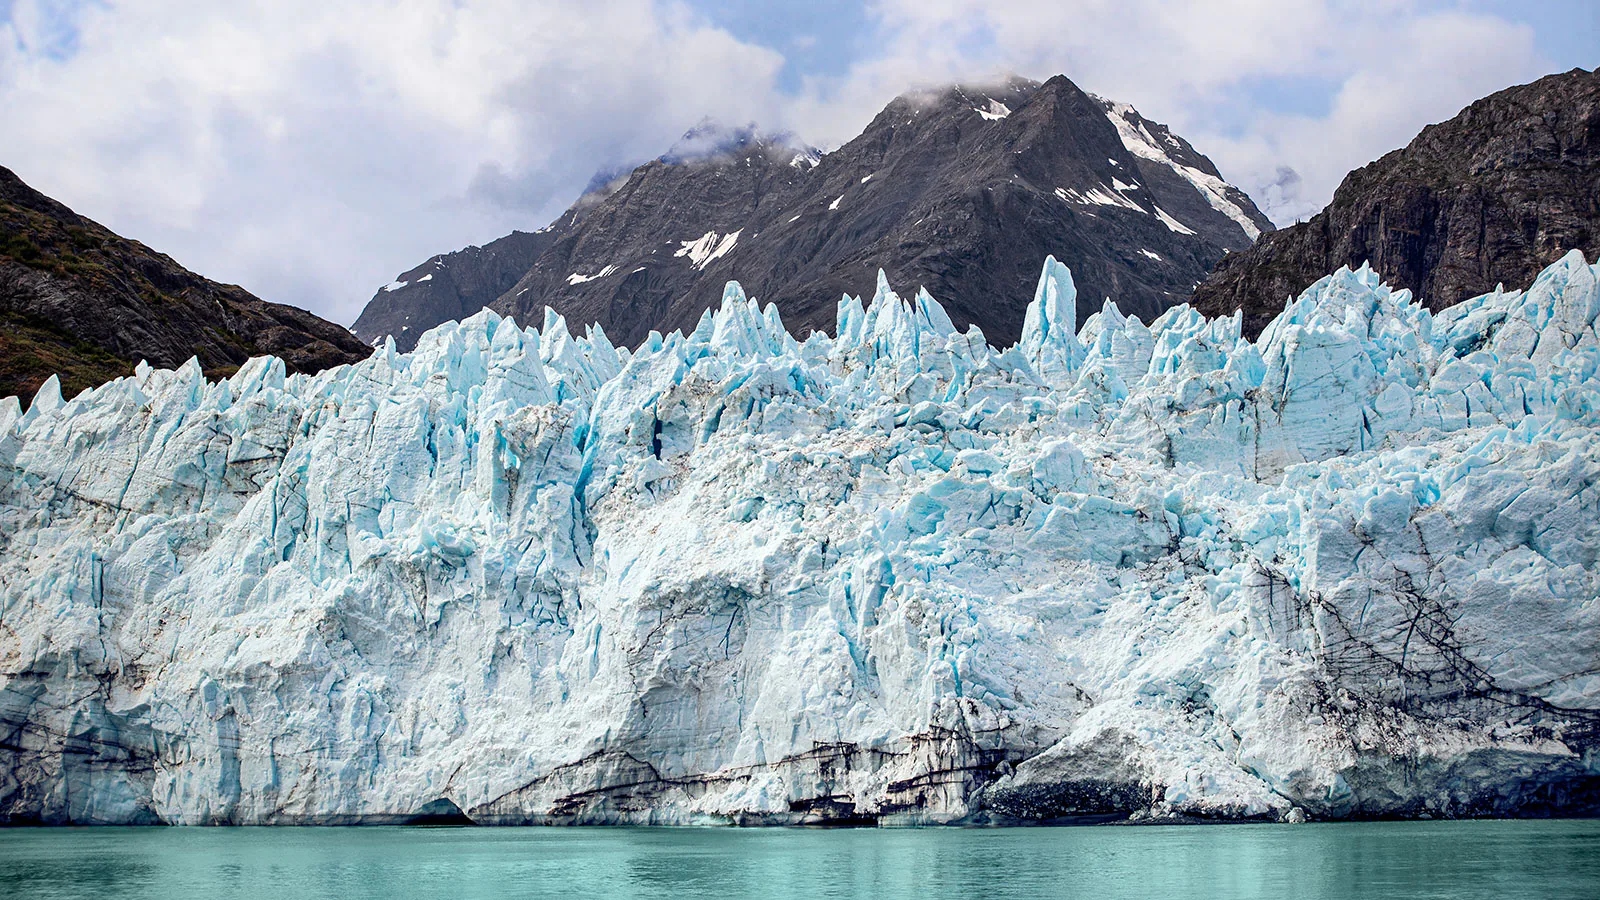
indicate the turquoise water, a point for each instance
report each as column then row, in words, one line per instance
column 1413, row 859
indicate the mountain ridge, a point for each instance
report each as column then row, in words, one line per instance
column 86, row 304
column 959, row 189
column 1489, row 196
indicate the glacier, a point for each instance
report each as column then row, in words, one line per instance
column 1124, row 570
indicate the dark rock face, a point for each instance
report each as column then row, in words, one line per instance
column 449, row 286
column 963, row 191
column 1097, row 782
column 78, row 301
column 453, row 286
column 1490, row 197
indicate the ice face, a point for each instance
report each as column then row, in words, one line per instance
column 1149, row 569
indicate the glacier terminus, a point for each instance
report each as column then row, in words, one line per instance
column 895, row 575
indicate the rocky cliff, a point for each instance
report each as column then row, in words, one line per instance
column 451, row 286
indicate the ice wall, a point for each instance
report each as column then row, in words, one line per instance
column 895, row 575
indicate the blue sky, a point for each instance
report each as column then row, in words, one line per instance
column 815, row 38
column 826, row 37
column 312, row 149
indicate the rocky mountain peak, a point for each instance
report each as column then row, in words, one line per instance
column 960, row 189
column 713, row 142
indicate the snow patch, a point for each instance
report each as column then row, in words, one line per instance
column 1097, row 197
column 806, row 159
column 576, row 278
column 994, row 112
column 1172, row 223
column 708, row 248
column 1138, row 141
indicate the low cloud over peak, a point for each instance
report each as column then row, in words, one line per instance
column 310, row 151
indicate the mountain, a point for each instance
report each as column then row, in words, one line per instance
column 80, row 302
column 453, row 286
column 450, row 286
column 1159, row 572
column 1489, row 197
column 960, row 190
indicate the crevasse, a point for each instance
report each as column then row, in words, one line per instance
column 1127, row 569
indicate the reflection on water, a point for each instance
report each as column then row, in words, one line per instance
column 1390, row 859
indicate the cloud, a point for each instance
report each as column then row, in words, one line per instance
column 1431, row 67
column 309, row 150
column 312, row 150
column 1393, row 66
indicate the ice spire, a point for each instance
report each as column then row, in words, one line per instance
column 1050, row 330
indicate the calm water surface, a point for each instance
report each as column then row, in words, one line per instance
column 1418, row 859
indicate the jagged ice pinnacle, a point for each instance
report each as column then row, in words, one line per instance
column 895, row 574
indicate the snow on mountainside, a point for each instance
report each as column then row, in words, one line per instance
column 961, row 190
column 1138, row 134
column 472, row 278
column 1155, row 570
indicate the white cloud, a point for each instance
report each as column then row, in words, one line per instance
column 309, row 150
column 1397, row 65
column 313, row 149
column 1431, row 67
